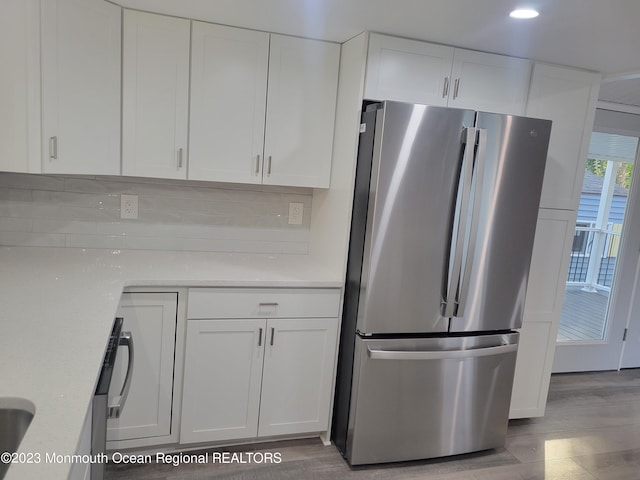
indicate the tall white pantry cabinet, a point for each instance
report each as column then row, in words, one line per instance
column 568, row 97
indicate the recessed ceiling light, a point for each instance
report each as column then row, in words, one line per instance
column 524, row 13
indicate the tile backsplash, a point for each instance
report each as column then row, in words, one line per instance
column 84, row 211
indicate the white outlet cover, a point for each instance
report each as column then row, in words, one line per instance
column 129, row 206
column 296, row 213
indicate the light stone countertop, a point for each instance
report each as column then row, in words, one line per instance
column 56, row 311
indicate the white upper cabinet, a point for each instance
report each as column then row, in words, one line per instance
column 228, row 102
column 487, row 82
column 418, row 72
column 568, row 98
column 155, row 95
column 262, row 106
column 19, row 25
column 80, row 87
column 408, row 71
column 301, row 102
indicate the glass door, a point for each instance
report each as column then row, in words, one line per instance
column 600, row 282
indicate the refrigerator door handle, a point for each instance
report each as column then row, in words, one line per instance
column 377, row 354
column 460, row 223
column 470, row 240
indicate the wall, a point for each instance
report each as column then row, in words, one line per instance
column 589, row 203
column 332, row 207
column 84, row 211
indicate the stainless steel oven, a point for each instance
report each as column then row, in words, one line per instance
column 105, row 407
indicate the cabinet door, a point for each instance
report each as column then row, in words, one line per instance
column 222, row 376
column 151, row 319
column 568, row 97
column 228, row 100
column 301, row 102
column 155, row 95
column 407, row 71
column 19, row 25
column 533, row 372
column 80, row 87
column 298, row 374
column 490, row 83
column 542, row 311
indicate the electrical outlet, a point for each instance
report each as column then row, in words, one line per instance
column 129, row 206
column 295, row 213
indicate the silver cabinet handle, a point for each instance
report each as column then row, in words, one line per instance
column 180, row 158
column 115, row 408
column 53, row 148
column 445, row 89
column 376, row 354
column 260, row 337
column 273, row 332
column 456, row 87
column 269, row 167
column 257, row 164
column 268, row 304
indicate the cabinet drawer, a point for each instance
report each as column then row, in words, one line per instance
column 263, row 303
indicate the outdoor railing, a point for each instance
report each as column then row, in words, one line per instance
column 606, row 244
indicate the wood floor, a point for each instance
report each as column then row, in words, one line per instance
column 591, row 431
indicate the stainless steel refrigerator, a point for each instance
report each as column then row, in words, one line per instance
column 444, row 216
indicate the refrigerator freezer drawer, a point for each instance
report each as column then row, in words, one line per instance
column 424, row 398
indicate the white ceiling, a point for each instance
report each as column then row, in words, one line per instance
column 600, row 35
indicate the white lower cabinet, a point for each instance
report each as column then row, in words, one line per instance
column 151, row 319
column 258, row 377
column 223, row 370
column 297, row 375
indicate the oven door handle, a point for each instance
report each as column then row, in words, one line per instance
column 115, row 407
